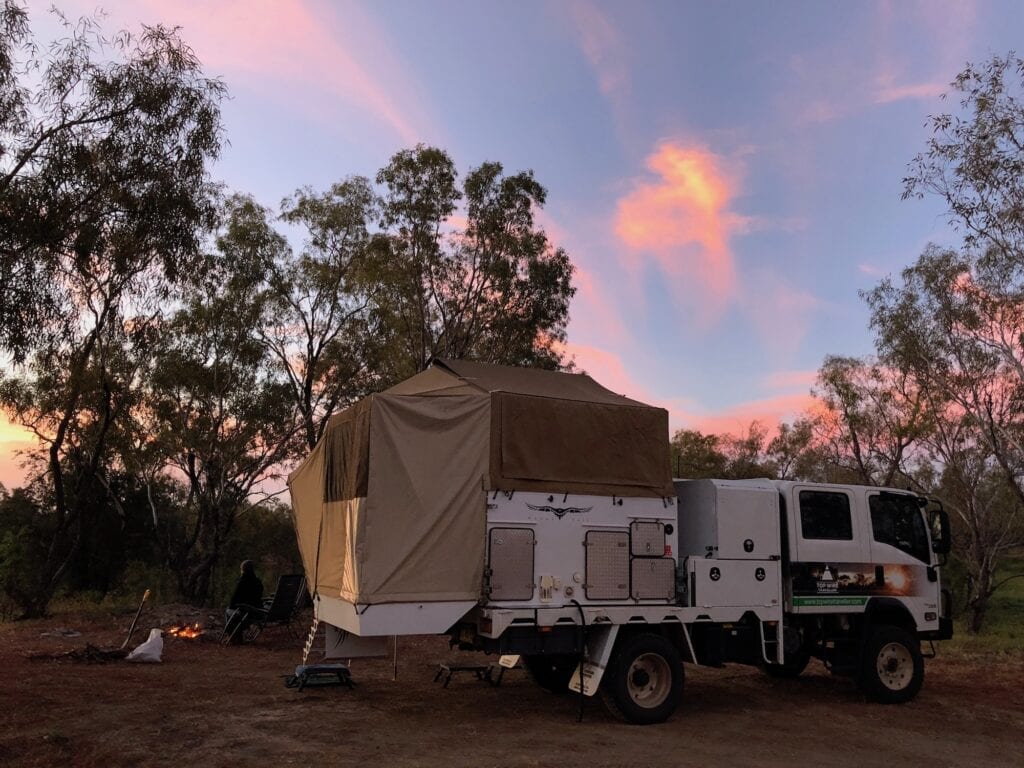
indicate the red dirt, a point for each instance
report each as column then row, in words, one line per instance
column 226, row 706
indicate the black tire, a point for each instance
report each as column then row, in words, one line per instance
column 644, row 681
column 551, row 672
column 795, row 659
column 792, row 667
column 892, row 669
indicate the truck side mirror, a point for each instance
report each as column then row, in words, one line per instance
column 942, row 540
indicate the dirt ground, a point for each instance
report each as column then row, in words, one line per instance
column 224, row 706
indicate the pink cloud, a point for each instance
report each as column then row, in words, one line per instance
column 768, row 411
column 779, row 312
column 791, row 380
column 307, row 51
column 682, row 218
column 891, row 92
column 601, row 45
column 852, row 74
column 594, row 312
column 607, row 368
column 592, row 308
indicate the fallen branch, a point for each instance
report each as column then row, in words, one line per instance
column 90, row 654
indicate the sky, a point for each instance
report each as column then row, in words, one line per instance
column 726, row 177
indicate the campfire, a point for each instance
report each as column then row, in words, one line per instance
column 184, row 630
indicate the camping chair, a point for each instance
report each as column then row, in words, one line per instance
column 278, row 608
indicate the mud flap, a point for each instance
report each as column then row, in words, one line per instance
column 600, row 642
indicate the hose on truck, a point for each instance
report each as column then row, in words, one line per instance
column 583, row 650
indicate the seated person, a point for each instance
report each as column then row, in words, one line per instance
column 248, row 594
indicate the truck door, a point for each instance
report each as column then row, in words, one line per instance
column 831, row 543
column 900, row 548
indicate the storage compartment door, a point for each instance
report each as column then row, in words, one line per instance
column 735, row 583
column 607, row 565
column 510, row 559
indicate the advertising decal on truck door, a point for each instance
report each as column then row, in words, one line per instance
column 817, row 584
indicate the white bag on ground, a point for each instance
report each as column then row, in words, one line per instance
column 151, row 649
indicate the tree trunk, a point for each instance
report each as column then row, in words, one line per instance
column 977, row 615
column 980, row 590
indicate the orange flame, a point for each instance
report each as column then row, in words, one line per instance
column 185, row 630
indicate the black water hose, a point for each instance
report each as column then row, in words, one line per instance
column 583, row 649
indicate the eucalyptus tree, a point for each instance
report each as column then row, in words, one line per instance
column 954, row 320
column 988, row 516
column 872, row 417
column 317, row 323
column 696, row 455
column 491, row 289
column 104, row 147
column 218, row 413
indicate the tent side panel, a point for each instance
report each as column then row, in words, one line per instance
column 425, row 515
column 550, row 444
column 306, row 487
column 327, row 532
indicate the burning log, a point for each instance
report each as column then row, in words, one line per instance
column 189, row 631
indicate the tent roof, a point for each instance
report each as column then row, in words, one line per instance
column 489, row 377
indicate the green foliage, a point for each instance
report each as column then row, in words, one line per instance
column 1004, row 624
column 974, row 162
column 318, row 323
column 104, row 201
column 956, row 319
column 954, row 322
column 24, row 534
column 493, row 291
column 217, row 414
column 102, row 170
column 696, row 455
column 873, row 415
column 173, row 352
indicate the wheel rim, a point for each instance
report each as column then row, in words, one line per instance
column 895, row 666
column 649, row 680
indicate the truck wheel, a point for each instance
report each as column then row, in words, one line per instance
column 551, row 672
column 792, row 665
column 644, row 681
column 892, row 670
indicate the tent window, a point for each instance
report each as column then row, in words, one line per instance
column 347, row 469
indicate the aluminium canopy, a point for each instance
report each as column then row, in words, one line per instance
column 390, row 506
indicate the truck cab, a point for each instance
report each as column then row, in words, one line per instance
column 858, row 566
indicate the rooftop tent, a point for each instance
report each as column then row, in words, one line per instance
column 390, row 504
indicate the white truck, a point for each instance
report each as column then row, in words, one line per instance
column 561, row 546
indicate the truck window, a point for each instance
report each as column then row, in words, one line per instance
column 825, row 515
column 896, row 520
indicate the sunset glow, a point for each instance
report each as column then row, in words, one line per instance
column 724, row 182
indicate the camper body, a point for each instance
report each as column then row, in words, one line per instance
column 612, row 593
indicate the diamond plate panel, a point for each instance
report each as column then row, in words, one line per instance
column 511, row 563
column 654, row 578
column 648, row 539
column 607, row 565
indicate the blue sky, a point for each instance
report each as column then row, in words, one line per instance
column 726, row 176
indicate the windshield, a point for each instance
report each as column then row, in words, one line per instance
column 896, row 520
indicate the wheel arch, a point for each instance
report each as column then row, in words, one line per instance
column 889, row 610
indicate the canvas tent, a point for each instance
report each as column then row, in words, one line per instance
column 390, row 506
